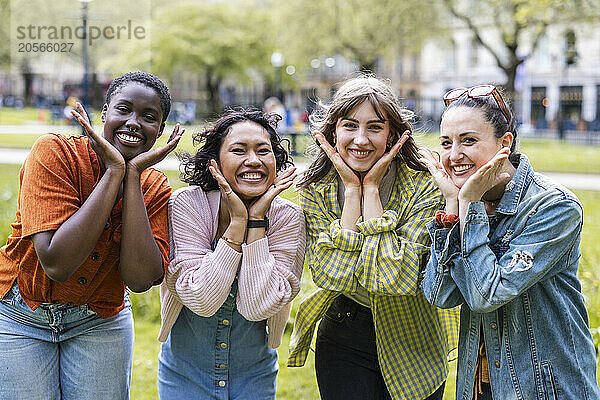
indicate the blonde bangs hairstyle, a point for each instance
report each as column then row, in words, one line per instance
column 347, row 98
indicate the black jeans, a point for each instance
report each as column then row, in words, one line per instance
column 487, row 392
column 346, row 355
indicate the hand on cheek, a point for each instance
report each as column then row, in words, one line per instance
column 380, row 168
column 348, row 176
column 440, row 176
column 485, row 178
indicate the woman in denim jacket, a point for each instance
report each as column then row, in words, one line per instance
column 507, row 248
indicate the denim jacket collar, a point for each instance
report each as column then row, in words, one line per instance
column 516, row 187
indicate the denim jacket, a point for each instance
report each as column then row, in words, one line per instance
column 515, row 273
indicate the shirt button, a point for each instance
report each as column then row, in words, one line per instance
column 222, row 383
column 107, row 225
column 493, row 325
column 225, row 322
column 82, row 280
column 223, row 345
column 497, row 364
column 222, row 366
column 95, row 256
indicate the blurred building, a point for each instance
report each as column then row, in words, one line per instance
column 558, row 88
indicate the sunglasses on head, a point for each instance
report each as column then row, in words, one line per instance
column 479, row 91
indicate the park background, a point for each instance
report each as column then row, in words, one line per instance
column 219, row 54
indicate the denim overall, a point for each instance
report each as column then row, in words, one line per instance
column 220, row 357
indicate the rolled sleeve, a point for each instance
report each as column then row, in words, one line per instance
column 396, row 252
column 343, row 239
column 49, row 190
column 437, row 285
column 445, row 244
column 476, row 226
column 387, row 222
column 332, row 252
column 157, row 192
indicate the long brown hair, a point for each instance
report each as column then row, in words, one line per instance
column 351, row 94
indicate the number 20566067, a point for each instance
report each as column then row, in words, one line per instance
column 23, row 47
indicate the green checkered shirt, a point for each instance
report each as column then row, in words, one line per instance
column 386, row 256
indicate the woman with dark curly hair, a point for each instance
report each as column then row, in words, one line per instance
column 237, row 251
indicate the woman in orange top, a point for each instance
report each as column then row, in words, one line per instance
column 91, row 220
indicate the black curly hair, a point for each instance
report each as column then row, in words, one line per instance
column 195, row 167
column 145, row 79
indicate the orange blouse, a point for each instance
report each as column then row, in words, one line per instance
column 55, row 180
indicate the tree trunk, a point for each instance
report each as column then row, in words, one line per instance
column 212, row 87
column 367, row 67
column 509, row 88
column 96, row 99
column 27, row 80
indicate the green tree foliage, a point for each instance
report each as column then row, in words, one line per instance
column 214, row 39
column 54, row 22
column 362, row 31
column 4, row 34
column 518, row 24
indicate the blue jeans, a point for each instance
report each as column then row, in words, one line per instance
column 346, row 361
column 63, row 352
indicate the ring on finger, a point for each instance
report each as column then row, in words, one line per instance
column 228, row 192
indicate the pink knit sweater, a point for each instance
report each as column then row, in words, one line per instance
column 268, row 269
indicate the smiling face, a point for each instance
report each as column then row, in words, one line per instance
column 247, row 160
column 468, row 142
column 133, row 119
column 361, row 137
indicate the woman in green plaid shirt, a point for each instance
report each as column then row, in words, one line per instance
column 367, row 198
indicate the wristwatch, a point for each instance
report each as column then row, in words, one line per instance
column 258, row 223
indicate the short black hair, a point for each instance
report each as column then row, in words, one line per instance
column 195, row 168
column 145, row 79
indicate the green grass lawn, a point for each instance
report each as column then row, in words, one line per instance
column 20, row 140
column 20, row 116
column 546, row 154
column 31, row 115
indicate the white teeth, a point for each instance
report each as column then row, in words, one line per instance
column 461, row 168
column 360, row 153
column 251, row 175
column 129, row 138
